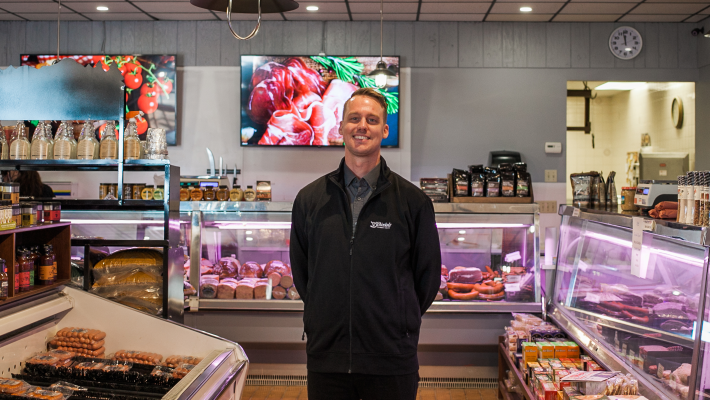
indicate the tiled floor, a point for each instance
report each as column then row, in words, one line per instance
column 300, row 393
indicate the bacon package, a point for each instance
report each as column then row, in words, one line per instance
column 298, row 101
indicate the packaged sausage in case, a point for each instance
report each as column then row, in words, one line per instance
column 182, row 370
column 12, row 386
column 162, row 373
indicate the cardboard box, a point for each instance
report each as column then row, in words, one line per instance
column 570, row 392
column 560, row 350
column 530, row 352
column 549, row 391
column 572, row 350
column 546, row 350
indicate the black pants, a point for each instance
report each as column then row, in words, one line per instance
column 325, row 386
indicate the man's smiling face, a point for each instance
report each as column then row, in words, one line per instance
column 363, row 127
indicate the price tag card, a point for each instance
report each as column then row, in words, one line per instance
column 576, row 212
column 592, row 298
column 639, row 226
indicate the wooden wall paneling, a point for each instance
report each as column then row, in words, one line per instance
column 315, row 37
column 558, row 45
column 79, row 37
column 128, row 37
column 537, row 43
column 426, row 44
column 650, row 45
column 668, row 46
column 520, row 44
column 404, row 43
column 619, row 63
column 508, row 40
column 97, row 36
column 687, row 46
column 165, row 37
column 470, row 44
column 337, row 43
column 113, row 37
column 600, row 56
column 388, row 38
column 493, row 44
column 448, row 44
column 186, row 35
column 207, row 43
column 274, row 37
column 360, row 38
column 37, row 37
column 579, row 45
column 229, row 53
column 143, row 40
column 296, row 38
column 640, row 60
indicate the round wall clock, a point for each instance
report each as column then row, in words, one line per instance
column 625, row 42
column 677, row 112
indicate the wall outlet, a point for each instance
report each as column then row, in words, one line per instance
column 550, row 175
column 547, row 207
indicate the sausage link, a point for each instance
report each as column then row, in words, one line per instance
column 495, row 296
column 463, row 296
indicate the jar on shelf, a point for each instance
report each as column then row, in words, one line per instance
column 209, row 193
column 29, row 215
column 46, row 266
column 196, row 194
column 147, row 193
column 627, row 199
column 184, row 192
column 137, row 190
column 222, row 193
column 159, row 192
column 52, row 212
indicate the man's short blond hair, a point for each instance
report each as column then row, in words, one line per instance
column 371, row 93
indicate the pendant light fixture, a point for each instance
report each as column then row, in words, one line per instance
column 381, row 73
column 247, row 7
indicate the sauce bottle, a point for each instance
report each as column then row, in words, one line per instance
column 209, row 194
column 35, row 255
column 88, row 147
column 20, row 146
column 222, row 193
column 249, row 194
column 63, row 142
column 196, row 193
column 108, row 148
column 26, row 270
column 4, row 147
column 4, row 281
column 39, row 150
column 131, row 142
column 236, row 194
column 184, row 192
column 47, row 262
column 17, row 275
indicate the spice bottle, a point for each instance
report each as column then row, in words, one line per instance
column 222, row 193
column 249, row 194
column 39, row 149
column 184, row 192
column 46, row 266
column 63, row 143
column 209, row 193
column 131, row 142
column 88, row 147
column 108, row 147
column 236, row 194
column 4, row 281
column 20, row 146
column 4, row 147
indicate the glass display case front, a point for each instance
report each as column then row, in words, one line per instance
column 491, row 249
column 636, row 295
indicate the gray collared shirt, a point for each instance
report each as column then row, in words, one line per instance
column 359, row 190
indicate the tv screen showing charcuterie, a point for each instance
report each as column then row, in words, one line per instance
column 150, row 86
column 298, row 100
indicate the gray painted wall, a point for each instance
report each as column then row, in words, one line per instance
column 475, row 86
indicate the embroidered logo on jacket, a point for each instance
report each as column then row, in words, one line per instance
column 380, row 225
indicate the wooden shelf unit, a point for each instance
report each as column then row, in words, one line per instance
column 58, row 235
column 504, row 364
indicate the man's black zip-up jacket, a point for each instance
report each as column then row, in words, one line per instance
column 364, row 293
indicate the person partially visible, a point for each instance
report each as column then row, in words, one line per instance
column 30, row 184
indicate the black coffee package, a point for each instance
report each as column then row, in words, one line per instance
column 461, row 181
column 478, row 180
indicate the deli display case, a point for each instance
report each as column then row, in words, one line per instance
column 632, row 292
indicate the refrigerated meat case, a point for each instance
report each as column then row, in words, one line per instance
column 471, row 235
column 632, row 292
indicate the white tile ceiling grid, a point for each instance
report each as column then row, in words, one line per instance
column 368, row 10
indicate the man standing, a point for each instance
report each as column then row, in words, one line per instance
column 366, row 261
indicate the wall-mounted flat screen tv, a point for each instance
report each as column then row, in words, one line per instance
column 298, row 100
column 150, row 86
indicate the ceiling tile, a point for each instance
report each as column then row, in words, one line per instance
column 44, row 7
column 596, row 8
column 454, row 8
column 696, row 18
column 653, row 18
column 537, row 8
column 323, row 8
column 90, row 7
column 250, row 17
column 586, row 17
column 676, row 8
column 117, row 16
column 676, row 1
column 389, row 8
column 459, row 1
column 186, row 16
column 388, row 17
column 9, row 17
column 317, row 17
column 66, row 15
column 451, row 17
column 169, row 7
column 705, row 11
column 519, row 17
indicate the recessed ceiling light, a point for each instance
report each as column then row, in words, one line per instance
column 102, row 8
column 620, row 85
column 312, row 8
column 525, row 9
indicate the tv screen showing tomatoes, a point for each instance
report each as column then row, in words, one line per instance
column 298, row 100
column 150, row 86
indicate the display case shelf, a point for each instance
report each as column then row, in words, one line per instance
column 83, row 165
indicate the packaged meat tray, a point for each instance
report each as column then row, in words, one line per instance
column 205, row 366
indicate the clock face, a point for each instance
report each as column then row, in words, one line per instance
column 625, row 42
